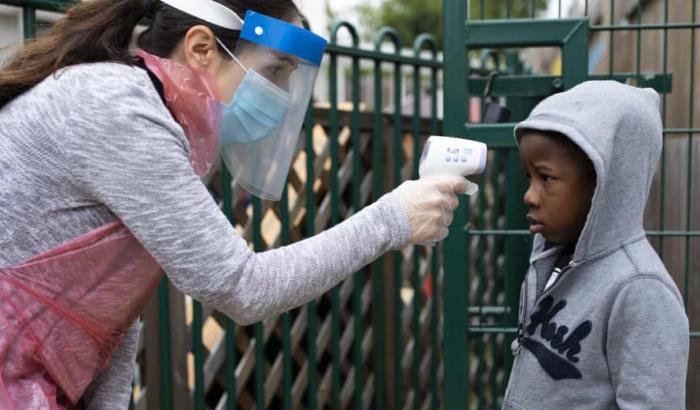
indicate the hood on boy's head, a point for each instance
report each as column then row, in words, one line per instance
column 619, row 128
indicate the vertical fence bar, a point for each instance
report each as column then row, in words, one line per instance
column 356, row 140
column 258, row 327
column 378, row 180
column 198, row 355
column 378, row 188
column 231, row 402
column 312, row 315
column 434, row 329
column 664, row 110
column 418, row 44
column 639, row 39
column 415, row 262
column 335, row 218
column 434, row 262
column 286, row 317
column 166, row 386
column 481, row 267
column 436, row 346
column 397, row 255
column 689, row 187
column 496, row 169
column 455, row 279
column 29, row 21
column 357, row 278
column 612, row 37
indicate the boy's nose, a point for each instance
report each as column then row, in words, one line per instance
column 530, row 199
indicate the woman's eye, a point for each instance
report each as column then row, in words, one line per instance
column 273, row 71
column 548, row 178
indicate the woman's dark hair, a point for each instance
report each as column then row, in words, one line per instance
column 101, row 30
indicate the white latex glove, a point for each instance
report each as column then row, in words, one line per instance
column 430, row 203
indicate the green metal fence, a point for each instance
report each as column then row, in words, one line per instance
column 645, row 43
column 408, row 332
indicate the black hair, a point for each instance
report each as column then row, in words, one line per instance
column 576, row 152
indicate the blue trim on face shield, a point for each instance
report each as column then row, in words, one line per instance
column 282, row 36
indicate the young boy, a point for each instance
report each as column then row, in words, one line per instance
column 602, row 324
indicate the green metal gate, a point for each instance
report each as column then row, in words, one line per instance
column 486, row 255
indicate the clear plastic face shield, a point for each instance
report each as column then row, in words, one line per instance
column 277, row 63
column 260, row 127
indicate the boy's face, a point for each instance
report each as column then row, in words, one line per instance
column 562, row 182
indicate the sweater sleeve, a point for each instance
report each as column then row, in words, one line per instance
column 647, row 346
column 127, row 154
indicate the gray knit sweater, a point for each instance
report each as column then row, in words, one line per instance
column 95, row 143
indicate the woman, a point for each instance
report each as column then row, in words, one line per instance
column 101, row 154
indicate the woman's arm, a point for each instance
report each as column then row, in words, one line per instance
column 127, row 154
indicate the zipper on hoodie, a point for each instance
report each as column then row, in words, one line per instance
column 515, row 346
column 520, row 335
column 517, row 342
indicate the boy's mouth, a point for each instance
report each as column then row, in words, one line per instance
column 536, row 226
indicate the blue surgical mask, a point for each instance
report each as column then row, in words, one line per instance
column 257, row 109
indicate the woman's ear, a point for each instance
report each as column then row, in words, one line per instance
column 200, row 49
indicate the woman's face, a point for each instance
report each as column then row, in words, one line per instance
column 201, row 51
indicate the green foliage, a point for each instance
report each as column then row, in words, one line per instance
column 412, row 17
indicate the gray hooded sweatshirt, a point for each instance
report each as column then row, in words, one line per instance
column 611, row 333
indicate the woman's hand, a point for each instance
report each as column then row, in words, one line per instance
column 430, row 203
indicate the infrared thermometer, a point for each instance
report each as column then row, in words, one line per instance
column 453, row 156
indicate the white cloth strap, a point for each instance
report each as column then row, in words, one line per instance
column 209, row 11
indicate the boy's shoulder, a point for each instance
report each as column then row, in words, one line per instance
column 603, row 279
column 630, row 267
column 648, row 269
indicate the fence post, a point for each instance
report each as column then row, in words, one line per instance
column 455, row 303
